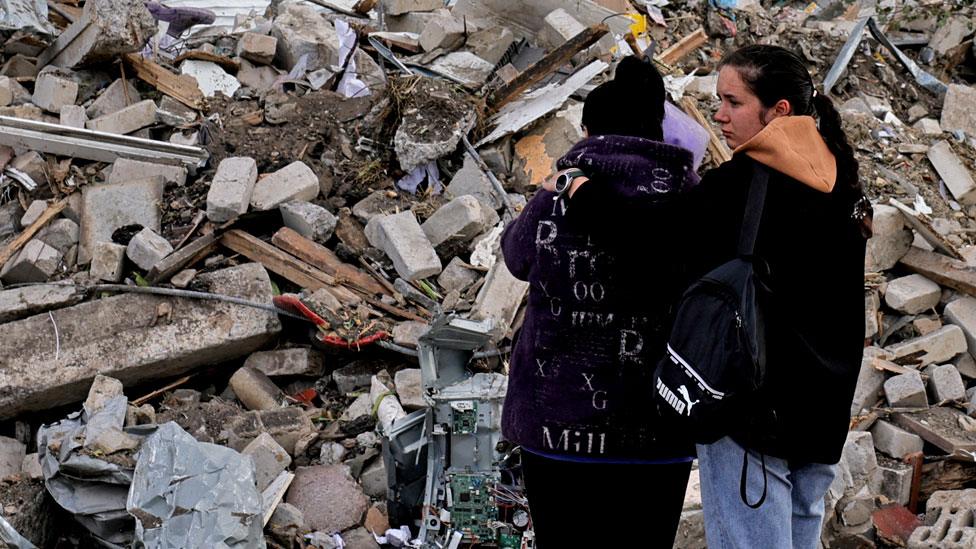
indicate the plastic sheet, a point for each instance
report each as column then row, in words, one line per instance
column 187, row 493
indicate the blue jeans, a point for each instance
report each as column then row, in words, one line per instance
column 792, row 514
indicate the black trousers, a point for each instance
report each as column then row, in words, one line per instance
column 598, row 505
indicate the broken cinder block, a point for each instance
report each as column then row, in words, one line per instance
column 955, row 174
column 147, row 248
column 445, row 32
column 130, row 119
column 256, row 47
column 309, row 220
column 404, row 242
column 939, row 346
column 461, row 219
column 126, row 169
column 106, row 30
column 296, row 181
column 895, row 441
column 890, row 240
column 946, row 383
column 107, row 260
column 558, row 27
column 231, row 189
column 912, row 294
column 36, row 262
column 256, row 390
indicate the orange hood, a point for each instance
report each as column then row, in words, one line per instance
column 792, row 145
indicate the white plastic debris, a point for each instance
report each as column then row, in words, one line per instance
column 210, row 77
column 484, row 252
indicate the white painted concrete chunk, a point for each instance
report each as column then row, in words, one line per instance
column 295, row 181
column 231, row 189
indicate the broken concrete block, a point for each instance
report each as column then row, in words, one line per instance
column 34, row 165
column 409, row 388
column 232, row 188
column 490, row 44
column 127, row 120
column 106, row 30
column 407, row 333
column 107, row 261
column 962, row 313
column 890, row 240
column 147, row 248
column 946, row 383
column 460, row 220
column 33, row 213
column 73, row 116
column 359, row 538
column 870, row 381
column 951, row 33
column 60, row 234
column 940, row 346
column 331, row 483
column 256, row 47
column 102, row 390
column 287, row 521
column 947, row 521
column 12, row 454
column 117, row 96
column 120, row 336
column 912, row 294
column 872, row 303
column 404, row 242
column 288, row 426
column 928, row 126
column 296, row 181
column 36, row 262
column 361, row 406
column 445, row 32
column 53, row 91
column 537, row 152
column 400, row 7
column 31, row 467
column 895, row 441
column 259, row 79
column 9, row 90
column 353, row 376
column 456, row 276
column 19, row 65
column 558, row 27
column 896, row 483
column 302, row 31
column 173, row 113
column 906, row 391
column 270, row 459
column 126, row 169
column 420, row 139
column 300, row 361
column 255, row 390
column 470, row 180
column 309, row 220
column 377, row 203
column 464, row 67
column 182, row 279
column 955, row 174
column 959, row 109
column 373, row 479
column 500, row 298
column 30, row 300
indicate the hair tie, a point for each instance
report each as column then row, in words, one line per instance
column 815, row 92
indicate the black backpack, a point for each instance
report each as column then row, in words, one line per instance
column 715, row 358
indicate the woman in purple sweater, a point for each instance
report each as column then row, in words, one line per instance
column 596, row 460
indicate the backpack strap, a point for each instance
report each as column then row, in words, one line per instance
column 743, row 481
column 754, row 210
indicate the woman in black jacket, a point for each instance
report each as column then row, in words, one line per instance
column 811, row 239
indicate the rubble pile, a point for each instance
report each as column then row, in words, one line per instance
column 225, row 233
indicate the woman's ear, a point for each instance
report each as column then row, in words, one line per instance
column 782, row 108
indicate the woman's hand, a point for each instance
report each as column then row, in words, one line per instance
column 550, row 182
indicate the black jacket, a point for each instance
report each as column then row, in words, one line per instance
column 815, row 323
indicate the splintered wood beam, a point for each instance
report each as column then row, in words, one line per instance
column 181, row 87
column 325, row 259
column 683, row 47
column 548, row 65
column 941, row 269
column 24, row 237
column 719, row 150
column 276, row 261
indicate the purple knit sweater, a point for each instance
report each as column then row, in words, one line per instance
column 596, row 321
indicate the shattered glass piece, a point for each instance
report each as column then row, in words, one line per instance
column 187, row 493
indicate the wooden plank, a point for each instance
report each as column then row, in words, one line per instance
column 940, row 426
column 146, row 398
column 548, row 65
column 181, row 87
column 946, row 475
column 683, row 47
column 941, row 269
column 719, row 150
column 325, row 259
column 276, row 261
column 222, row 60
column 187, row 255
column 24, row 237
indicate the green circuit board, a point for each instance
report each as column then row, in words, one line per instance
column 473, row 507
